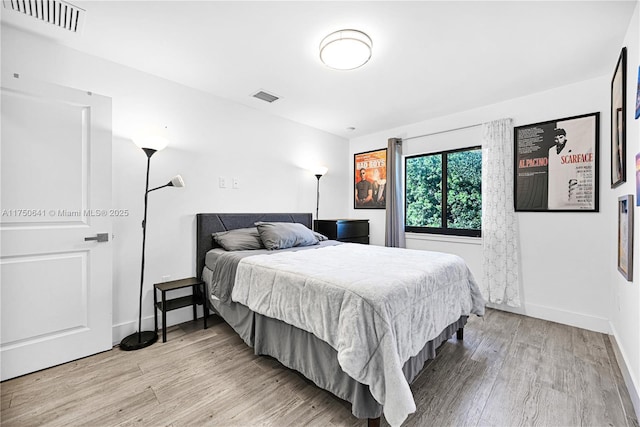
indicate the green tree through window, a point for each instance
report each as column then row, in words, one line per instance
column 444, row 192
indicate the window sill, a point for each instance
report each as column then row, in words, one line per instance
column 443, row 238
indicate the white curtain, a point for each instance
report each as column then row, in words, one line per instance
column 394, row 225
column 500, row 283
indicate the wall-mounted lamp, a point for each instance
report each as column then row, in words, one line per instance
column 150, row 143
column 319, row 172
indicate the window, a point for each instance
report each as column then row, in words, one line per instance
column 444, row 192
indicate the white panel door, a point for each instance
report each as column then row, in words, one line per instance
column 55, row 286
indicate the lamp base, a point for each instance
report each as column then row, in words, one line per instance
column 136, row 341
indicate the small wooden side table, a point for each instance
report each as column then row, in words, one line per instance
column 198, row 296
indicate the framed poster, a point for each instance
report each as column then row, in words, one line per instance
column 625, row 236
column 618, row 119
column 370, row 183
column 638, row 96
column 638, row 179
column 556, row 165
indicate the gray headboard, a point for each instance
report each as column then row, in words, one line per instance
column 208, row 223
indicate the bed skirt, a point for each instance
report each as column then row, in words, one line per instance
column 314, row 358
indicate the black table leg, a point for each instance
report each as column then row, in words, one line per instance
column 164, row 317
column 195, row 302
column 155, row 308
column 205, row 304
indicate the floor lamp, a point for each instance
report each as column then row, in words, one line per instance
column 142, row 339
column 319, row 173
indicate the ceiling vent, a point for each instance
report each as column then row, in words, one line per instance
column 57, row 12
column 265, row 96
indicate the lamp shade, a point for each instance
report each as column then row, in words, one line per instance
column 320, row 170
column 154, row 139
column 345, row 49
column 177, row 181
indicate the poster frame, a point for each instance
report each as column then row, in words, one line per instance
column 379, row 155
column 625, row 236
column 523, row 193
column 618, row 121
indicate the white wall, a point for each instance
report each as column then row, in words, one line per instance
column 562, row 284
column 210, row 137
column 568, row 260
column 625, row 304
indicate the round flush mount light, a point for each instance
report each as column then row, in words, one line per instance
column 345, row 49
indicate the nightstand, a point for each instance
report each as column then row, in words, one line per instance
column 344, row 230
column 197, row 296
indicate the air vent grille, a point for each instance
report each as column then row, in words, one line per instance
column 265, row 96
column 56, row 12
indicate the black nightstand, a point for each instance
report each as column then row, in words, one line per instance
column 197, row 297
column 344, row 230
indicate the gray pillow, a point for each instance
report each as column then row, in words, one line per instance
column 239, row 239
column 320, row 237
column 282, row 235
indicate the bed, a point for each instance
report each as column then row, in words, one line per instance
column 351, row 318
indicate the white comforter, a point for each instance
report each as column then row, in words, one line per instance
column 376, row 306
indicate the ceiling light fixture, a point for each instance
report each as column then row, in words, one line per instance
column 345, row 49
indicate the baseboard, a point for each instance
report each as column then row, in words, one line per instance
column 579, row 320
column 175, row 317
column 632, row 386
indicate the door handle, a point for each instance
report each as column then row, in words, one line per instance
column 100, row 237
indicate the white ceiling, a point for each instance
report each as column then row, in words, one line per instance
column 430, row 58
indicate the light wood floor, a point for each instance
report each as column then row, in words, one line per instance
column 510, row 370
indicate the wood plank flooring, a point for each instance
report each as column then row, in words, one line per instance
column 510, row 370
